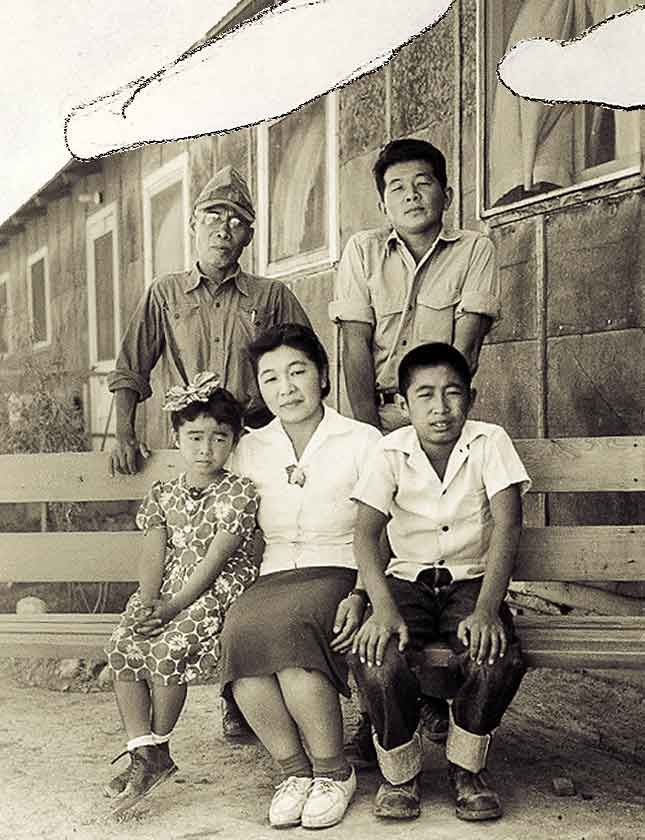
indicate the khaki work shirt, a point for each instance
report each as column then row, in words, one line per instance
column 437, row 522
column 379, row 283
column 193, row 324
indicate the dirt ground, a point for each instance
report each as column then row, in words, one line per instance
column 55, row 748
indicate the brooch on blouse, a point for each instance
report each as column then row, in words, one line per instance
column 296, row 475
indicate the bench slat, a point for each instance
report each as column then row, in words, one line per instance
column 570, row 465
column 79, row 477
column 594, row 552
column 558, row 465
column 547, row 641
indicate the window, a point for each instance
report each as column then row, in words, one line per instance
column 165, row 219
column 38, row 298
column 532, row 148
column 103, row 315
column 298, row 188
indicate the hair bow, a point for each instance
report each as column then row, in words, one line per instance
column 199, row 390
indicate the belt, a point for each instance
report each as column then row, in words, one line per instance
column 435, row 577
column 386, row 398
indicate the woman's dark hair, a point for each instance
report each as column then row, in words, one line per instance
column 221, row 406
column 431, row 355
column 298, row 337
column 408, row 148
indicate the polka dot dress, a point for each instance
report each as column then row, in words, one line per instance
column 188, row 646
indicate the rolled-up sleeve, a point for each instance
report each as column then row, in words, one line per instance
column 481, row 292
column 141, row 347
column 289, row 310
column 352, row 300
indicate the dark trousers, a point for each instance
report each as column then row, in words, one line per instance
column 391, row 691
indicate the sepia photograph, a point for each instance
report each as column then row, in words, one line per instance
column 322, row 420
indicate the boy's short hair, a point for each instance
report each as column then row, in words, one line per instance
column 431, row 355
column 221, row 406
column 408, row 148
column 297, row 336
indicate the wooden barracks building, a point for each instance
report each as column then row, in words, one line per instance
column 563, row 203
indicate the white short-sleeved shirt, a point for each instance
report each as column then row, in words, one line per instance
column 440, row 523
column 313, row 524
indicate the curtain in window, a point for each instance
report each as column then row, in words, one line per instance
column 298, row 223
column 531, row 143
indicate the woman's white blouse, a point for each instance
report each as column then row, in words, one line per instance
column 312, row 524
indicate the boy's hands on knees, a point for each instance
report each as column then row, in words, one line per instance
column 348, row 619
column 483, row 633
column 371, row 640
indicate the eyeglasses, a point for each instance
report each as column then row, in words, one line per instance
column 220, row 216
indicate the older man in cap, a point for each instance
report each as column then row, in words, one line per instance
column 201, row 319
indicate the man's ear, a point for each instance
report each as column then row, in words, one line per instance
column 448, row 196
column 249, row 235
column 191, row 223
column 401, row 404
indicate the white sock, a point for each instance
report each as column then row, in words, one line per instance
column 142, row 741
column 161, row 739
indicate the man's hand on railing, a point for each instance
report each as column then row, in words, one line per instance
column 126, row 454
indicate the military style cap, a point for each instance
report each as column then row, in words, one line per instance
column 227, row 187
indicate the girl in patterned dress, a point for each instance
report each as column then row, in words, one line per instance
column 197, row 557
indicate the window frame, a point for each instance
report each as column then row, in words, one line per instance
column 32, row 259
column 329, row 254
column 599, row 184
column 97, row 225
column 5, row 277
column 170, row 173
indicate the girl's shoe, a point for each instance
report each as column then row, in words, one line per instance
column 288, row 801
column 149, row 767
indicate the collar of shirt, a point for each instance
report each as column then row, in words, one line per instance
column 394, row 240
column 236, row 275
column 331, row 424
column 406, row 440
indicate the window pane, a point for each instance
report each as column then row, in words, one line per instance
column 534, row 147
column 298, row 183
column 38, row 301
column 104, row 293
column 166, row 211
column 4, row 319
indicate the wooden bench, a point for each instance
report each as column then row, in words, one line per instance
column 572, row 553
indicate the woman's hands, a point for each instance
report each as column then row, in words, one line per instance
column 349, row 616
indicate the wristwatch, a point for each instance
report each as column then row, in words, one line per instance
column 362, row 593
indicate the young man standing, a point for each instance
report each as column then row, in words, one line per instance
column 410, row 282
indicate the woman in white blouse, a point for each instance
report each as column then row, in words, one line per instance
column 284, row 639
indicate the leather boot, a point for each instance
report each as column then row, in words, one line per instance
column 475, row 798
column 398, row 802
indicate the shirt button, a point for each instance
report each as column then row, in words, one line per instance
column 440, row 562
column 216, row 339
column 217, row 305
column 177, row 316
column 404, row 342
column 444, row 528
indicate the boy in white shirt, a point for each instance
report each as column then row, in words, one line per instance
column 449, row 491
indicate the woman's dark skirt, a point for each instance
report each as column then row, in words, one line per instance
column 286, row 620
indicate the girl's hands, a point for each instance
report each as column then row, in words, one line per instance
column 152, row 619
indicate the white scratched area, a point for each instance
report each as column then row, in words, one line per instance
column 605, row 65
column 264, row 68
